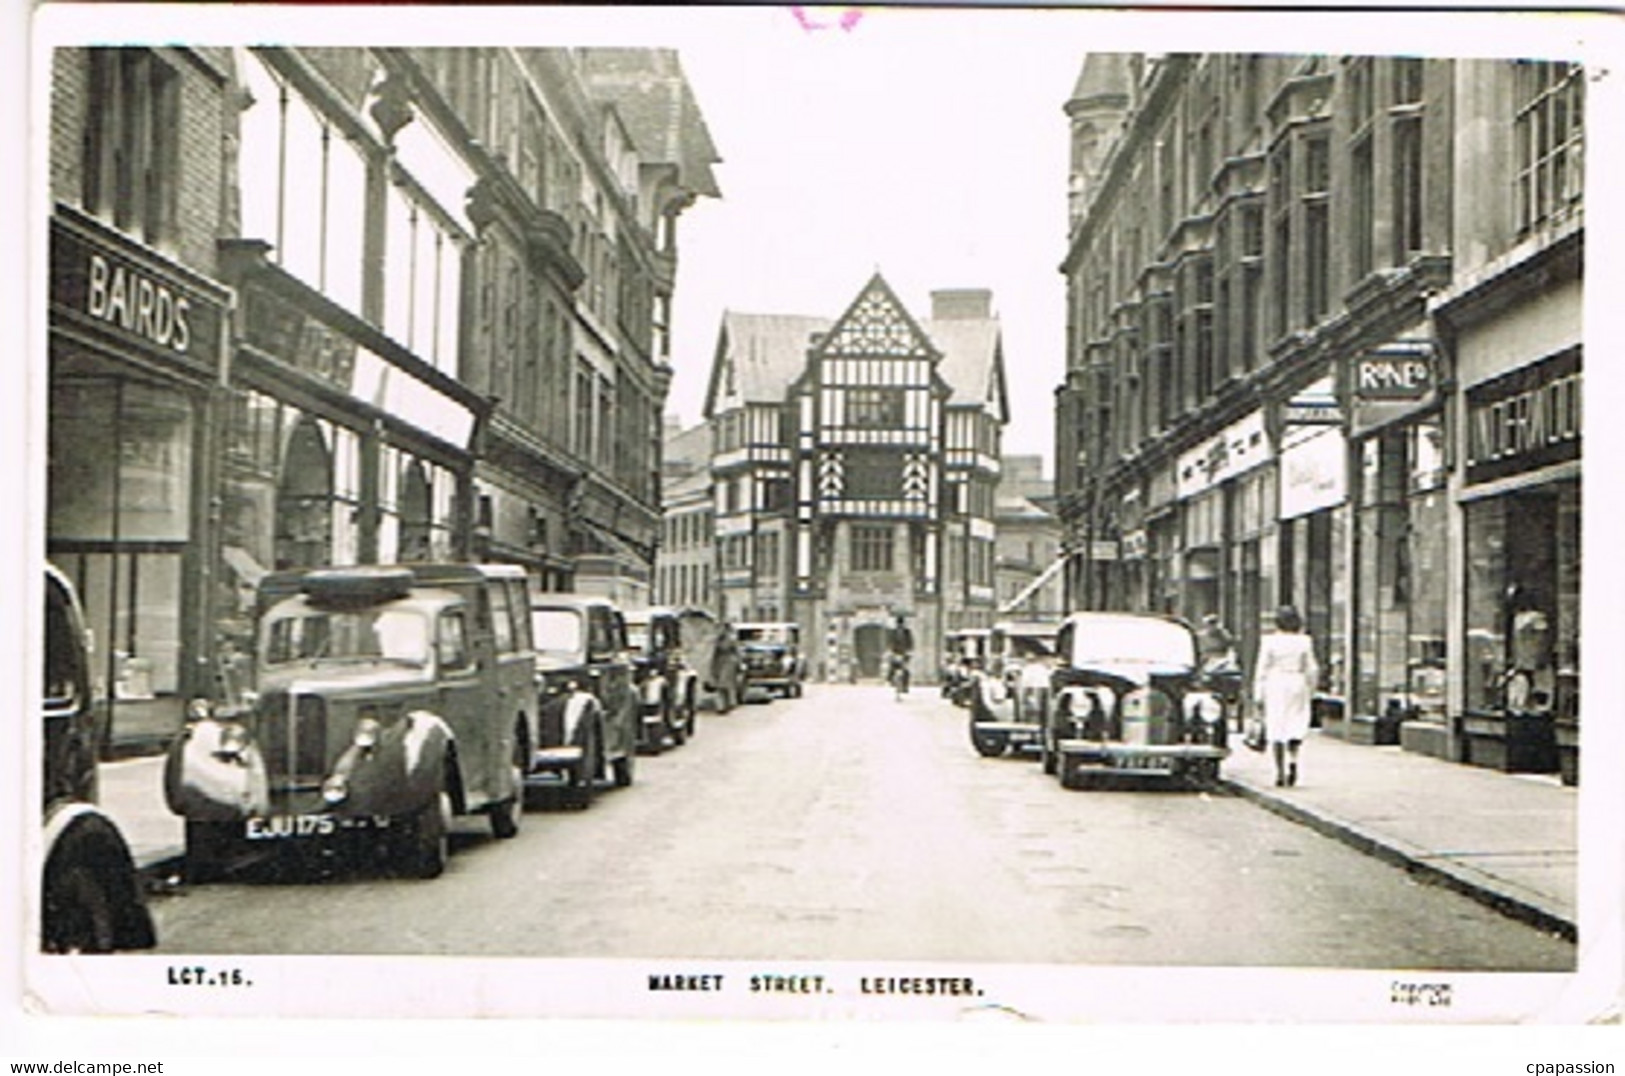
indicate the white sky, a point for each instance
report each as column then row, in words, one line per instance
column 929, row 145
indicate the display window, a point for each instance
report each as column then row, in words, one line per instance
column 1523, row 602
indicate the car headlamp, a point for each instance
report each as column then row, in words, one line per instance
column 366, row 733
column 233, row 742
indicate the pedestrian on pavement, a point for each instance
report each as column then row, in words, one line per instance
column 1284, row 680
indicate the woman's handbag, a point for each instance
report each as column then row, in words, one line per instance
column 1252, row 734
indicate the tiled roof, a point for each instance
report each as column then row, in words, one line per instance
column 969, row 364
column 654, row 100
column 767, row 353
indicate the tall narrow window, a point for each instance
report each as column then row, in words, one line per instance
column 1317, row 229
column 1362, row 209
column 131, row 165
column 1407, row 189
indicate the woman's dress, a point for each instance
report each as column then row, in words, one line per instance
column 1285, row 684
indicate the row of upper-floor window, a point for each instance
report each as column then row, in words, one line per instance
column 684, row 585
column 861, row 407
column 874, row 474
column 302, row 186
column 688, row 530
column 1380, row 152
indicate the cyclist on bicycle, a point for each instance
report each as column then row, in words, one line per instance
column 900, row 642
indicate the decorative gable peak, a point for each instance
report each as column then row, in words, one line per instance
column 877, row 325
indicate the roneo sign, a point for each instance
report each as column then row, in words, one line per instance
column 1400, row 373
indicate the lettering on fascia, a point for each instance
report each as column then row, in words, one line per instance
column 138, row 304
column 1527, row 422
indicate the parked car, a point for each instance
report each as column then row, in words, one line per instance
column 590, row 713
column 668, row 685
column 770, row 656
column 964, row 654
column 1128, row 698
column 90, row 895
column 1009, row 697
column 387, row 699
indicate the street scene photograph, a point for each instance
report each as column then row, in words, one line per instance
column 815, row 513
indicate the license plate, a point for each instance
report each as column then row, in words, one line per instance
column 282, row 826
column 285, row 826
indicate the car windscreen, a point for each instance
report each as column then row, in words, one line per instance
column 344, row 635
column 765, row 636
column 1110, row 640
column 558, row 631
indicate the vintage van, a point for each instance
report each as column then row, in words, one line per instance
column 386, row 700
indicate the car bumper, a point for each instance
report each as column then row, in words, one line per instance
column 550, row 762
column 1015, row 731
column 1167, row 759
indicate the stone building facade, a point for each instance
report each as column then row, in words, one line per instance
column 354, row 305
column 1281, row 340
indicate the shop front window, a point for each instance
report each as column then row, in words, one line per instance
column 1523, row 593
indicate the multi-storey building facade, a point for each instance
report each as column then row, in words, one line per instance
column 1027, row 542
column 355, row 305
column 686, row 564
column 1278, row 274
column 854, row 467
column 138, row 347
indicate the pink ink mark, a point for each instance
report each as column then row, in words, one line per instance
column 848, row 18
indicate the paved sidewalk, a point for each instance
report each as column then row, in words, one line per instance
column 1508, row 840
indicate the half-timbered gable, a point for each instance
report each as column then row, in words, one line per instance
column 848, row 455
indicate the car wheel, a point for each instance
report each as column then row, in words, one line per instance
column 209, row 846
column 583, row 788
column 427, row 837
column 988, row 744
column 506, row 814
column 78, row 913
column 1066, row 772
column 1204, row 773
column 622, row 770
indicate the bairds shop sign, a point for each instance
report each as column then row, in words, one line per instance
column 1526, row 419
column 119, row 287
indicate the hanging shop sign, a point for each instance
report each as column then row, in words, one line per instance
column 104, row 281
column 1241, row 447
column 1402, row 370
column 1526, row 419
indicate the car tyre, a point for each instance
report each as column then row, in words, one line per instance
column 506, row 814
column 622, row 770
column 583, row 788
column 209, row 846
column 988, row 744
column 427, row 837
column 78, row 913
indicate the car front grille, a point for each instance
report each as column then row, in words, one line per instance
column 293, row 736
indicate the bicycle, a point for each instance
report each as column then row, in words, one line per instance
column 897, row 675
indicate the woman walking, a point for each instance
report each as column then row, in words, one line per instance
column 1284, row 680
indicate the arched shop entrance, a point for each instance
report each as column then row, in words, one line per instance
column 304, row 508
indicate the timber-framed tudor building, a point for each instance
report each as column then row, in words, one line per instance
column 853, row 467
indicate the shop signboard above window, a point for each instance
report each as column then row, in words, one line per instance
column 1524, row 420
column 1238, row 449
column 102, row 280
